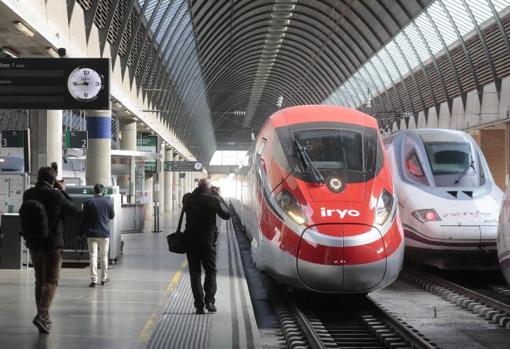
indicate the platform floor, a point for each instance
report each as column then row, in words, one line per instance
column 147, row 304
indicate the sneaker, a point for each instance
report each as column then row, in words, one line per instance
column 104, row 282
column 211, row 308
column 92, row 284
column 41, row 324
column 200, row 311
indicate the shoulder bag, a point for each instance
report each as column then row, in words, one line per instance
column 176, row 242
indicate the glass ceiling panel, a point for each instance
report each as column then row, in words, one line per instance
column 480, row 10
column 432, row 40
column 443, row 23
column 500, row 5
column 403, row 41
column 460, row 16
column 380, row 66
column 418, row 43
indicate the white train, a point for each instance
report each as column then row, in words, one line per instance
column 504, row 236
column 449, row 203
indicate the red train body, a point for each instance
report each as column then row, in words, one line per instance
column 317, row 200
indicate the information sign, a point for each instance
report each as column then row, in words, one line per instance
column 183, row 166
column 76, row 139
column 15, row 151
column 149, row 144
column 55, row 83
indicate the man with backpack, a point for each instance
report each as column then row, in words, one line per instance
column 41, row 215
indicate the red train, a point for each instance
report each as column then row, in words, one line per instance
column 317, row 201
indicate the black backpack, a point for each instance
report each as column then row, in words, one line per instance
column 34, row 220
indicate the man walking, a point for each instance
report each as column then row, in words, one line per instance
column 41, row 217
column 97, row 213
column 201, row 233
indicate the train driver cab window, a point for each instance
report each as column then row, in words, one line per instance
column 414, row 169
column 261, row 147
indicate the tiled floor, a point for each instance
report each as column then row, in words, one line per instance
column 113, row 316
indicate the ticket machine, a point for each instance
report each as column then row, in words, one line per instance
column 75, row 251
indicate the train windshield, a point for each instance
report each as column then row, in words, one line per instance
column 317, row 151
column 332, row 149
column 449, row 157
column 453, row 160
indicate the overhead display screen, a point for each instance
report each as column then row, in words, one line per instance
column 55, row 83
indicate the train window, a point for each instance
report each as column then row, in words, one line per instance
column 262, row 146
column 449, row 157
column 333, row 149
column 413, row 165
column 279, row 154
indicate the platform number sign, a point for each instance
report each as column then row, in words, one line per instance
column 13, row 139
column 76, row 139
column 15, row 147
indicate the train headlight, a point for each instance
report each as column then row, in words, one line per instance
column 426, row 215
column 290, row 206
column 383, row 209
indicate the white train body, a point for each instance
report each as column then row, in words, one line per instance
column 449, row 203
column 503, row 242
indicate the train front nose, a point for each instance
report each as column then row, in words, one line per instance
column 343, row 258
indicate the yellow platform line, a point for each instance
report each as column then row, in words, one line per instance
column 151, row 322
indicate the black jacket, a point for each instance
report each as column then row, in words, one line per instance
column 97, row 213
column 56, row 205
column 201, row 207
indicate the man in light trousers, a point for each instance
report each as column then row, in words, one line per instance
column 97, row 213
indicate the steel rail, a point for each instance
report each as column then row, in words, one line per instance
column 489, row 301
column 417, row 340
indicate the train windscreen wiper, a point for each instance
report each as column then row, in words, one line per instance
column 307, row 162
column 471, row 165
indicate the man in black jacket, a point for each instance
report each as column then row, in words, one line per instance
column 201, row 207
column 46, row 253
column 97, row 213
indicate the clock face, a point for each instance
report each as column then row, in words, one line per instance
column 198, row 166
column 84, row 84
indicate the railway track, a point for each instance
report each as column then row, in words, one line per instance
column 491, row 302
column 323, row 321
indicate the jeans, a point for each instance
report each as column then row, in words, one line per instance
column 202, row 255
column 102, row 244
column 47, row 265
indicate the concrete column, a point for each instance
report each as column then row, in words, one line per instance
column 180, row 188
column 161, row 182
column 98, row 163
column 175, row 184
column 54, row 138
column 168, row 183
column 148, row 195
column 45, row 139
column 128, row 142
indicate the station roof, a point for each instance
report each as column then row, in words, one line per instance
column 213, row 71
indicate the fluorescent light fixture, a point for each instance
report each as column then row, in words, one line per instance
column 10, row 52
column 52, row 52
column 22, row 27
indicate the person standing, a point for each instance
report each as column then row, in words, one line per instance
column 97, row 213
column 201, row 234
column 41, row 215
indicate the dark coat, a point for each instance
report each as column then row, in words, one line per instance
column 56, row 205
column 97, row 213
column 201, row 208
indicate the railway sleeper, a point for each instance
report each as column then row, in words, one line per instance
column 493, row 315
